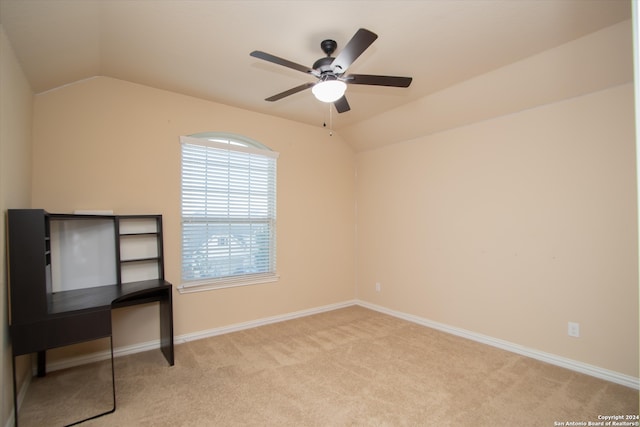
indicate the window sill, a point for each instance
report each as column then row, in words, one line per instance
column 213, row 284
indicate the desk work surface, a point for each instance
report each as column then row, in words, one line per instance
column 102, row 297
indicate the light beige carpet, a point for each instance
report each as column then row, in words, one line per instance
column 348, row 367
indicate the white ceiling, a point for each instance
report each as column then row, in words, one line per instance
column 201, row 48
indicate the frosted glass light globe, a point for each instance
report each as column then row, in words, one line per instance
column 329, row 90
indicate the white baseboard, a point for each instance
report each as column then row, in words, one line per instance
column 181, row 339
column 605, row 374
column 594, row 371
column 261, row 322
column 98, row 356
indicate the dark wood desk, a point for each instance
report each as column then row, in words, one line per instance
column 42, row 319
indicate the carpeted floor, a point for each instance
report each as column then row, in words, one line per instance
column 348, row 367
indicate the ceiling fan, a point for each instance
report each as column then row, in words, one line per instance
column 330, row 72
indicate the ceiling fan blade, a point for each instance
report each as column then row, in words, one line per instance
column 290, row 92
column 280, row 61
column 368, row 79
column 354, row 48
column 342, row 105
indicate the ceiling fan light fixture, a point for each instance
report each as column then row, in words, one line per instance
column 329, row 90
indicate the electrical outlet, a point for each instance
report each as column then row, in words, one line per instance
column 378, row 287
column 574, row 329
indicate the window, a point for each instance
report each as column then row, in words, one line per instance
column 228, row 212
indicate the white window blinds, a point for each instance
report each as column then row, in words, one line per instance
column 228, row 212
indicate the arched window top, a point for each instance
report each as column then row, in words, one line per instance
column 231, row 139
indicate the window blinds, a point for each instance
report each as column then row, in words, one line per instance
column 228, row 212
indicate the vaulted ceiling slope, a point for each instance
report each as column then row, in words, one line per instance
column 201, row 48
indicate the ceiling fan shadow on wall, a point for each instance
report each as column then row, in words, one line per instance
column 330, row 72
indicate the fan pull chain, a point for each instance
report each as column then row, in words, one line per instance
column 330, row 122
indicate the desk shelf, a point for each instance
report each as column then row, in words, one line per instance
column 139, row 247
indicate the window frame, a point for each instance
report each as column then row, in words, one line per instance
column 239, row 144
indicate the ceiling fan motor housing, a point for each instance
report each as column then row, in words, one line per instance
column 323, row 65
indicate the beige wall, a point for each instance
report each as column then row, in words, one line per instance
column 16, row 102
column 512, row 227
column 108, row 144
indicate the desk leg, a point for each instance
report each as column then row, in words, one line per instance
column 113, row 388
column 166, row 326
column 15, row 394
column 42, row 363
